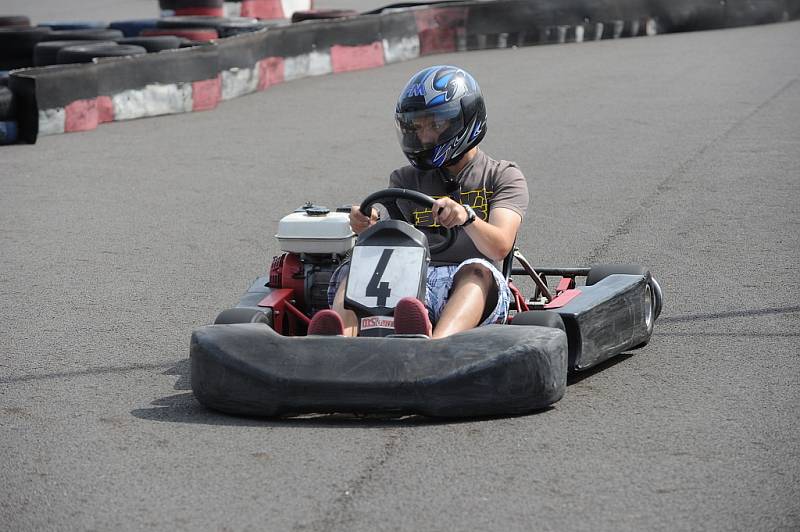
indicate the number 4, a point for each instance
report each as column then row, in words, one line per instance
column 378, row 289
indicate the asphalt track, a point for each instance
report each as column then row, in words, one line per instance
column 680, row 152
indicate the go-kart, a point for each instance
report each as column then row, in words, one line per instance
column 256, row 358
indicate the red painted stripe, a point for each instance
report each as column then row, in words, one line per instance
column 267, row 9
column 194, row 34
column 81, row 115
column 206, row 94
column 201, row 11
column 105, row 109
column 439, row 29
column 271, row 72
column 348, row 58
column 563, row 299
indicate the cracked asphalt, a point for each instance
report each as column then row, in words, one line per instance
column 678, row 152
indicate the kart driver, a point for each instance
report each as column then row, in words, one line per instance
column 440, row 119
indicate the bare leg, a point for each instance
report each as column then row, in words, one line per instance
column 472, row 288
column 348, row 316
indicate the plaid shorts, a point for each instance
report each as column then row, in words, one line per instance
column 438, row 287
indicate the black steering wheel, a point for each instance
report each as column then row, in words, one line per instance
column 448, row 235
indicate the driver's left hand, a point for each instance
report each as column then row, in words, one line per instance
column 448, row 213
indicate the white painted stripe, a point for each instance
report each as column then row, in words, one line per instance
column 405, row 49
column 502, row 40
column 238, row 82
column 319, row 64
column 52, row 121
column 578, row 33
column 232, row 9
column 598, row 31
column 290, row 6
column 461, row 41
column 561, row 34
column 153, row 100
column 313, row 64
column 619, row 25
column 650, row 28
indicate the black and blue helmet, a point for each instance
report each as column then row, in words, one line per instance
column 440, row 116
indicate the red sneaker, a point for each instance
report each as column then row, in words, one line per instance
column 411, row 317
column 326, row 322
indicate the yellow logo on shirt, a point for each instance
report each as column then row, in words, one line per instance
column 477, row 199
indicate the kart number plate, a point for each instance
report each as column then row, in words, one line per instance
column 382, row 275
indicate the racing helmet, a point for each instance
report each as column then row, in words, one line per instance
column 440, row 116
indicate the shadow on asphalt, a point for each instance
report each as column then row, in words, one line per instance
column 574, row 378
column 184, row 408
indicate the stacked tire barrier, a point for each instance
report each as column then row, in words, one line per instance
column 68, row 98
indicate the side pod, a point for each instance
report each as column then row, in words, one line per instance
column 606, row 319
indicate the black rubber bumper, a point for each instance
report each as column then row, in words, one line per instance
column 248, row 369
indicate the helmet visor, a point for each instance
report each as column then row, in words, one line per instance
column 422, row 130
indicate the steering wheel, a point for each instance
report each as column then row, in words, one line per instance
column 449, row 236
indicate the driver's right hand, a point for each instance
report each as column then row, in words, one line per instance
column 358, row 222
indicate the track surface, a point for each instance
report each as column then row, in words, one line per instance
column 679, row 152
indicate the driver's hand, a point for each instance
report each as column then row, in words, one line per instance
column 448, row 213
column 359, row 222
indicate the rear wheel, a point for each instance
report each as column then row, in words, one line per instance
column 601, row 271
column 652, row 294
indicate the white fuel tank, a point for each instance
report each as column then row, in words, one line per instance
column 315, row 230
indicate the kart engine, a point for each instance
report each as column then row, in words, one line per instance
column 315, row 241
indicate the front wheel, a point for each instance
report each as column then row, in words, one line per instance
column 243, row 315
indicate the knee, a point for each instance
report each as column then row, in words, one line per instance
column 475, row 273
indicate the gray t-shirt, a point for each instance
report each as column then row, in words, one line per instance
column 483, row 184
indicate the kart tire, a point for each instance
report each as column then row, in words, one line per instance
column 84, row 35
column 229, row 29
column 14, row 20
column 6, row 104
column 242, row 315
column 132, row 28
column 194, row 34
column 658, row 297
column 322, row 14
column 7, row 65
column 155, row 43
column 601, row 271
column 87, row 53
column 46, row 52
column 539, row 318
column 191, row 22
column 18, row 42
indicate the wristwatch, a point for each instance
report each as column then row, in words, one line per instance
column 470, row 215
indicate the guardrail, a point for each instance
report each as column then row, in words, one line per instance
column 65, row 98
